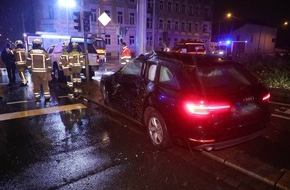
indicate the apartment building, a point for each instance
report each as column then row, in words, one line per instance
column 167, row 21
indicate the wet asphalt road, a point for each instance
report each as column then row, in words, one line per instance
column 95, row 148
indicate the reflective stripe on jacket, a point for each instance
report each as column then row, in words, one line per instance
column 20, row 57
column 38, row 60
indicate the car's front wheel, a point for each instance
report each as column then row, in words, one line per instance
column 156, row 128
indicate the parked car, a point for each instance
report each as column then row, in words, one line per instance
column 94, row 58
column 204, row 101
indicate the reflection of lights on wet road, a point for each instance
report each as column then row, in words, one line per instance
column 42, row 111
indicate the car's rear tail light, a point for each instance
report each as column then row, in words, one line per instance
column 203, row 108
column 266, row 97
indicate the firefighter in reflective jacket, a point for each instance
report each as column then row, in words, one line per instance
column 76, row 63
column 20, row 57
column 38, row 63
column 64, row 63
column 126, row 54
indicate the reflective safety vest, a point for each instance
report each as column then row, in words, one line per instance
column 20, row 57
column 64, row 61
column 38, row 61
column 126, row 53
column 76, row 59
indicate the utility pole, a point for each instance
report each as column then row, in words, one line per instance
column 141, row 27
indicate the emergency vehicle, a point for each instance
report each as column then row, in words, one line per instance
column 228, row 48
column 192, row 47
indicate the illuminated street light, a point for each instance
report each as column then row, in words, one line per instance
column 229, row 15
column 68, row 4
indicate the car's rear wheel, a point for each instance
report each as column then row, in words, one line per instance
column 156, row 128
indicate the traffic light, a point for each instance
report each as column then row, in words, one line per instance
column 77, row 20
column 86, row 20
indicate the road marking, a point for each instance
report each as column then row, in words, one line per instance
column 42, row 111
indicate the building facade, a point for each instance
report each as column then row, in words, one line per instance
column 260, row 38
column 167, row 21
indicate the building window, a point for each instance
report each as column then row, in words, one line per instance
column 206, row 12
column 108, row 39
column 190, row 10
column 120, row 17
column 189, row 27
column 108, row 13
column 196, row 26
column 161, row 5
column 132, row 19
column 149, row 23
column 197, row 11
column 149, row 41
column 182, row 26
column 51, row 13
column 169, row 24
column 183, row 9
column 161, row 23
column 150, row 4
column 169, row 6
column 176, row 25
column 132, row 40
column 204, row 28
column 177, row 7
column 94, row 15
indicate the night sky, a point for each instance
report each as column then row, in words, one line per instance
column 272, row 13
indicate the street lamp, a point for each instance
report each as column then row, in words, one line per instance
column 68, row 4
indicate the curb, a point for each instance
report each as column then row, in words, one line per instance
column 266, row 175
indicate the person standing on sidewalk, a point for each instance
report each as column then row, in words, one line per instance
column 64, row 63
column 76, row 62
column 20, row 60
column 38, row 63
column 126, row 54
column 8, row 58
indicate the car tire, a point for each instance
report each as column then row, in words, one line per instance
column 156, row 128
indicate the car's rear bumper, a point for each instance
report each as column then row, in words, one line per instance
column 228, row 143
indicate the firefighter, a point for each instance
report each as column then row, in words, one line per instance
column 64, row 63
column 76, row 63
column 126, row 54
column 39, row 65
column 20, row 57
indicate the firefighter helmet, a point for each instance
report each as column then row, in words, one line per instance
column 36, row 41
column 65, row 44
column 74, row 44
column 18, row 42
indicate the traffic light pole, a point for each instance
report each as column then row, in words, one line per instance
column 85, row 44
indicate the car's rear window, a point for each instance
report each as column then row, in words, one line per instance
column 223, row 78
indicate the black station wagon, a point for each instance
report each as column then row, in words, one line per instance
column 204, row 101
